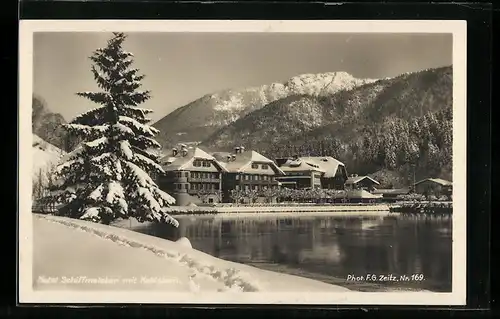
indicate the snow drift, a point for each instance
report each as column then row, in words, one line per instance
column 45, row 157
column 103, row 254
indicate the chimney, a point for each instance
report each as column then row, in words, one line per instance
column 233, row 157
column 229, row 158
column 236, row 149
column 242, row 149
column 174, row 152
column 184, row 150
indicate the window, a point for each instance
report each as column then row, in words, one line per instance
column 247, row 187
column 237, row 187
column 193, row 175
column 206, row 164
column 216, row 187
column 211, row 200
column 187, row 174
column 192, row 186
column 186, row 186
column 237, row 177
column 255, row 166
column 246, row 177
column 197, row 163
column 178, row 186
column 265, row 187
column 256, row 187
column 265, row 166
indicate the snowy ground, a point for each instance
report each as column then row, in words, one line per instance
column 77, row 255
column 45, row 156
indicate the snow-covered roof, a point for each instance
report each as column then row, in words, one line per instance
column 357, row 179
column 361, row 193
column 244, row 160
column 439, row 181
column 398, row 191
column 299, row 165
column 325, row 164
column 180, row 162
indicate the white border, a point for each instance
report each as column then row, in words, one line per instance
column 457, row 28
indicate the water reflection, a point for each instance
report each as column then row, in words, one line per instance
column 328, row 248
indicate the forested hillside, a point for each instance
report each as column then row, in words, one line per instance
column 386, row 128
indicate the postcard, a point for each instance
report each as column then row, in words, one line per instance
column 242, row 162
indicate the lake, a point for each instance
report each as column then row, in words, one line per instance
column 329, row 248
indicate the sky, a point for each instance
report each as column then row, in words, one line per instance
column 182, row 67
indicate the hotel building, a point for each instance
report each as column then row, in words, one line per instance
column 312, row 172
column 247, row 171
column 192, row 176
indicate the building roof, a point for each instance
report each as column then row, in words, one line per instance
column 299, row 165
column 439, row 181
column 244, row 160
column 361, row 193
column 357, row 179
column 398, row 191
column 324, row 164
column 180, row 162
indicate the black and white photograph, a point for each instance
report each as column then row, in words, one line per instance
column 298, row 162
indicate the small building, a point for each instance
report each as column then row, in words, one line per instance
column 249, row 172
column 192, row 176
column 312, row 172
column 362, row 196
column 434, row 186
column 361, row 182
column 391, row 195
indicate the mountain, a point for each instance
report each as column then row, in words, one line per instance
column 260, row 129
column 378, row 126
column 200, row 118
column 46, row 124
column 45, row 157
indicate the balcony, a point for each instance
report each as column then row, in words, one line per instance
column 203, row 180
column 197, row 192
column 257, row 182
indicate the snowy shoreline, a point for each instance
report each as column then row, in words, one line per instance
column 191, row 269
column 282, row 210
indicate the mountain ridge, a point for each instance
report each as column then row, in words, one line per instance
column 202, row 117
column 348, row 120
column 46, row 124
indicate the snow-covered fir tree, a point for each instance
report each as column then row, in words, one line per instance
column 108, row 175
